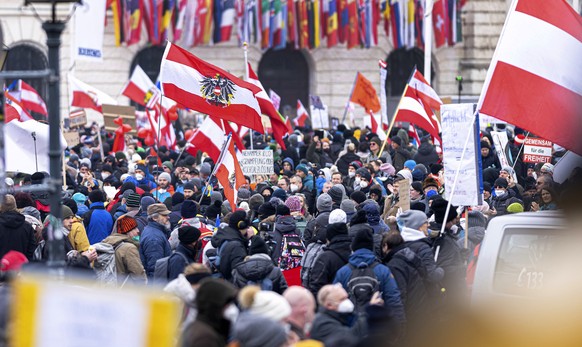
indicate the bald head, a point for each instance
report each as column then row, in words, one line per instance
column 329, row 296
column 302, row 306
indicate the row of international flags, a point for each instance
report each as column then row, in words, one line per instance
column 304, row 24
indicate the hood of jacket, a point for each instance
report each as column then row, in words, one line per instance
column 182, row 289
column 12, row 219
column 116, row 239
column 285, row 224
column 476, row 234
column 404, row 253
column 256, row 267
column 340, row 242
column 226, row 233
column 426, row 148
column 372, row 213
column 290, row 161
column 362, row 256
column 409, row 234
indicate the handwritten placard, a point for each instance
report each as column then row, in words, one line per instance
column 256, row 162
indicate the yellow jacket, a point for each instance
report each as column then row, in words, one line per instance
column 78, row 236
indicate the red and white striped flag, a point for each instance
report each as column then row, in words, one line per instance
column 412, row 110
column 376, row 127
column 138, row 86
column 424, row 91
column 275, row 98
column 208, row 89
column 534, row 78
column 228, row 168
column 14, row 110
column 302, row 114
column 208, row 138
column 29, row 98
column 85, row 96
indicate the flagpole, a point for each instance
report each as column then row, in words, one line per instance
column 246, row 55
column 216, row 165
column 428, row 40
column 350, row 98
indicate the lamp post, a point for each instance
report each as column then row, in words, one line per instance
column 54, row 28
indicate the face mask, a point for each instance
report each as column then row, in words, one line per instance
column 104, row 175
column 357, row 181
column 454, row 230
column 231, row 313
column 363, row 184
column 346, row 306
column 162, row 191
column 139, row 177
column 433, row 233
column 499, row 192
column 294, row 188
column 135, row 238
column 351, row 174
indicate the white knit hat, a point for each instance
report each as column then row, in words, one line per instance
column 337, row 216
column 270, row 305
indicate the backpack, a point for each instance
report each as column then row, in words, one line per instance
column 313, row 251
column 292, row 251
column 162, row 268
column 265, row 284
column 300, row 224
column 104, row 265
column 214, row 255
column 362, row 285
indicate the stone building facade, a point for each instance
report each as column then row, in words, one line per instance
column 330, row 72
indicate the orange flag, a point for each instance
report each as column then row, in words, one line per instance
column 364, row 94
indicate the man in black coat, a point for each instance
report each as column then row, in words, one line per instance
column 334, row 256
column 15, row 233
column 185, row 252
column 234, row 238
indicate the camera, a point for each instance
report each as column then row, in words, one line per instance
column 265, row 226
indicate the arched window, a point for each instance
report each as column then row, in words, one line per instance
column 401, row 62
column 28, row 57
column 149, row 59
column 286, row 72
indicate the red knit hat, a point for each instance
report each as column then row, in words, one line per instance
column 12, row 261
column 125, row 224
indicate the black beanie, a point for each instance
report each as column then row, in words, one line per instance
column 96, row 196
column 213, row 295
column 500, row 182
column 335, row 229
column 258, row 245
column 188, row 234
column 439, row 206
column 336, row 194
column 283, row 210
column 267, row 209
column 358, row 196
column 435, row 168
column 177, row 198
column 213, row 210
column 238, row 220
column 127, row 185
column 189, row 209
column 363, row 239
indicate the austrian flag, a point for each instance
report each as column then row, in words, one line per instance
column 208, row 89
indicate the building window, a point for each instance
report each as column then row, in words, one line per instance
column 401, row 62
column 27, row 57
column 286, row 72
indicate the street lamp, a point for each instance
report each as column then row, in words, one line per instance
column 54, row 28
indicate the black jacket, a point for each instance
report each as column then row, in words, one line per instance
column 423, row 249
column 334, row 256
column 500, row 203
column 309, row 235
column 426, row 155
column 409, row 273
column 344, row 161
column 451, row 260
column 177, row 264
column 283, row 225
column 335, row 329
column 233, row 253
column 255, row 269
column 16, row 234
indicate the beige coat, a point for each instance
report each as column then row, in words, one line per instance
column 127, row 260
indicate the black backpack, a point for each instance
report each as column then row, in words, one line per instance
column 162, row 268
column 362, row 285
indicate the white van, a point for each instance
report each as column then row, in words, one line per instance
column 513, row 259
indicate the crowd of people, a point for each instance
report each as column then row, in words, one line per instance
column 324, row 249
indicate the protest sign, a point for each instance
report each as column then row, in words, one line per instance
column 537, row 151
column 72, row 138
column 256, row 162
column 111, row 112
column 319, row 117
column 458, row 119
column 404, row 194
column 77, row 118
column 500, row 142
column 89, row 29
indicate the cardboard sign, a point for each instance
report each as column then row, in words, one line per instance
column 457, row 123
column 537, row 151
column 319, row 118
column 77, row 118
column 256, row 162
column 72, row 138
column 111, row 112
column 404, row 194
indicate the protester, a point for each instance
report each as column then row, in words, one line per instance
column 154, row 243
column 15, row 233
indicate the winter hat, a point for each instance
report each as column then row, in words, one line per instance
column 417, row 186
column 548, row 168
column 96, row 196
column 477, row 219
column 264, row 303
column 238, row 220
column 364, row 173
column 283, row 210
column 280, row 194
column 439, row 206
column 258, row 245
column 189, row 209
column 337, row 216
column 363, row 239
column 418, row 175
column 165, row 176
column 214, row 294
column 188, row 186
column 356, row 164
column 127, row 185
column 140, row 167
column 66, row 212
column 324, row 203
column 294, row 203
column 406, row 174
column 256, row 201
column 169, row 165
column 410, row 164
column 349, row 207
column 508, row 169
column 127, row 193
column 125, row 224
column 12, row 261
column 107, row 168
column 358, row 196
column 485, row 144
column 500, row 182
column 132, row 200
column 336, row 194
column 145, row 202
column 418, row 206
column 302, row 168
column 120, row 156
column 214, row 210
column 159, row 209
column 37, row 178
column 411, row 219
column 79, row 198
column 421, row 167
column 188, row 234
column 376, row 189
column 205, row 169
column 388, row 169
column 254, row 331
column 197, row 182
column 267, row 209
column 397, row 140
column 515, row 207
column 435, row 168
column 430, row 182
column 243, row 205
column 487, row 187
column 244, row 194
column 215, row 196
column 334, row 229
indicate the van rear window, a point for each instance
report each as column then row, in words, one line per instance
column 523, row 264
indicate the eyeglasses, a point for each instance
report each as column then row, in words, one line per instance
column 539, row 183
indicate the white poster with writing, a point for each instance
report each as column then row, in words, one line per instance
column 457, row 122
column 89, row 29
column 319, row 117
column 256, row 162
